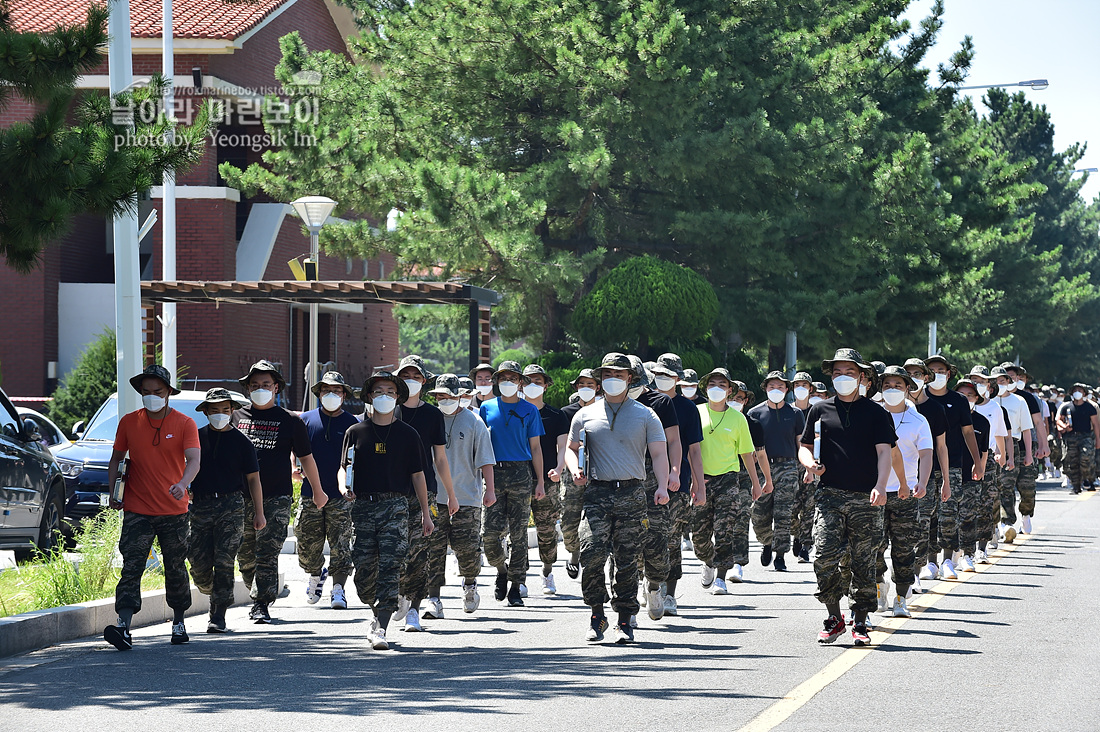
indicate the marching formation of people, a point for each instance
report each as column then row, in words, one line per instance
column 647, row 460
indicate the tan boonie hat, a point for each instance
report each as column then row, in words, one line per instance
column 480, row 367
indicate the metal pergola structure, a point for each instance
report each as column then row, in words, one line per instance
column 478, row 299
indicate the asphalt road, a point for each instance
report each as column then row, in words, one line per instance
column 1008, row 648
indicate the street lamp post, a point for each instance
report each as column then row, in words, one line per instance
column 168, row 204
column 1034, row 84
column 313, row 211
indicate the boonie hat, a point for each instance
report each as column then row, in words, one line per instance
column 509, row 367
column 333, row 378
column 920, row 364
column 217, row 395
column 899, row 372
column 402, row 387
column 669, row 364
column 847, row 354
column 263, row 366
column 774, row 375
column 690, row 378
column 531, row 369
column 447, row 384
column 417, row 363
column 154, row 371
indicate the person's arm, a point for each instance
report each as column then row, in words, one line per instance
column 420, row 485
column 749, row 458
column 536, row 463
column 1060, row 420
column 309, row 467
column 112, row 473
column 975, row 453
column 945, row 463
column 813, row 467
column 659, row 457
column 191, row 456
column 1025, row 438
column 924, row 471
column 572, row 463
column 1041, row 426
column 554, row 474
column 257, row 492
column 1002, row 449
column 675, row 455
column 1096, row 429
column 897, row 463
column 490, row 496
column 698, row 480
column 766, row 469
column 878, row 493
column 443, row 472
column 295, row 468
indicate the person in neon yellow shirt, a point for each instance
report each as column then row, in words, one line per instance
column 726, row 442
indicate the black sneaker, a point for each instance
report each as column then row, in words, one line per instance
column 624, row 633
column 766, row 556
column 573, row 570
column 1074, row 490
column 834, row 628
column 259, row 614
column 804, row 556
column 179, row 634
column 796, row 547
column 502, row 587
column 216, row 623
column 119, row 637
column 514, row 599
column 780, row 563
column 596, row 629
column 859, row 634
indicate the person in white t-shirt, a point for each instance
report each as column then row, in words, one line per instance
column 1021, row 426
column 1000, row 456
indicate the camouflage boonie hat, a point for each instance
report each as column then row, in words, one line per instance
column 847, row 354
column 402, row 387
column 669, row 364
column 448, row 384
column 641, row 373
column 820, row 388
column 968, row 382
column 951, row 370
column 980, row 371
column 774, row 375
column 416, row 362
column 218, row 395
column 803, row 376
column 333, row 378
column 480, row 367
column 613, row 361
column 690, row 378
column 1009, row 366
column 741, row 386
column 154, row 371
column 920, row 364
column 724, row 373
column 879, row 367
column 584, row 374
column 998, row 371
column 263, row 367
column 509, row 367
column 901, row 373
column 531, row 369
column 466, row 384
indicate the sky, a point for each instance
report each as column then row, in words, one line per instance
column 1016, row 40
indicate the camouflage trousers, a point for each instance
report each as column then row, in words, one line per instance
column 217, row 529
column 900, row 524
column 414, row 576
column 463, row 533
column 771, row 513
column 258, row 557
column 679, row 519
column 546, row 512
column 989, row 503
column 572, row 501
column 1056, row 442
column 1021, row 479
column 956, row 512
column 612, row 525
column 845, row 521
column 316, row 525
column 510, row 514
column 928, row 539
column 713, row 525
column 379, row 549
column 138, row 532
column 802, row 512
column 1080, row 448
column 653, row 560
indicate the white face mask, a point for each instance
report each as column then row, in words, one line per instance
column 1078, row 396
column 845, row 385
column 484, row 389
column 383, row 404
column 448, row 406
column 414, row 386
column 893, row 397
column 1021, row 385
column 636, row 392
column 919, row 381
column 665, row 383
column 218, row 421
column 801, row 392
column 465, row 402
column 586, row 393
column 689, row 392
column 614, row 387
column 939, row 381
column 508, row 388
column 735, row 405
column 716, row 394
column 153, row 403
column 815, row 400
column 1002, row 389
column 261, row 397
column 331, row 402
column 863, row 390
column 983, row 390
column 973, row 404
column 533, row 391
column 776, row 396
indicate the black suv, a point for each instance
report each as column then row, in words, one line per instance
column 32, row 490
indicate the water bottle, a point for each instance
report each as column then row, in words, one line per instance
column 817, row 441
column 349, row 476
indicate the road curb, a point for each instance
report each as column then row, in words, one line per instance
column 42, row 628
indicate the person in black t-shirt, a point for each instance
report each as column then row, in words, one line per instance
column 275, row 433
column 940, row 486
column 1079, row 426
column 854, row 439
column 743, row 401
column 387, row 467
column 227, row 465
column 547, row 510
column 572, row 495
column 969, row 498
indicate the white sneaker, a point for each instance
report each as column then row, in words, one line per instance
column 915, row 587
column 378, row 639
column 901, row 608
column 522, row 590
column 737, row 574
column 1025, row 525
column 707, row 578
column 412, row 621
column 719, row 587
column 686, row 545
column 655, row 604
column 313, row 587
column 967, row 564
column 947, row 570
column 882, row 598
column 1065, row 482
column 434, row 609
column 670, row 605
column 548, row 586
column 403, row 606
column 991, row 546
column 470, row 599
column 337, row 600
column 929, row 571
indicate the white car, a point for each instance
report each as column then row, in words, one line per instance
column 52, row 437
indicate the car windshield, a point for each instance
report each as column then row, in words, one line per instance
column 105, row 422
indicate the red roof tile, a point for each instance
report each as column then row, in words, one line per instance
column 213, row 19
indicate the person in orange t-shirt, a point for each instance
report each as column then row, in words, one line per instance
column 163, row 445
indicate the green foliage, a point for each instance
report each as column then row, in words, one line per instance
column 645, row 300
column 696, row 358
column 90, row 382
column 523, row 355
column 437, row 333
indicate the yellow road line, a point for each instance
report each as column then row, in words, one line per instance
column 797, row 697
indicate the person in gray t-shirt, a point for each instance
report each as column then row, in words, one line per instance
column 470, row 455
column 616, row 433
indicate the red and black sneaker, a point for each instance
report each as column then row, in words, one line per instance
column 834, row 628
column 859, row 634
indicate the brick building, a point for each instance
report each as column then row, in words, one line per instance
column 51, row 313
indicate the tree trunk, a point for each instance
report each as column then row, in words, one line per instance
column 777, row 354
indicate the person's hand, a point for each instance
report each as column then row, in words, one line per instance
column 878, row 497
column 349, row 494
column 757, row 491
column 297, row 475
column 553, row 475
column 489, row 498
column 259, row 521
column 817, row 469
column 579, row 478
column 426, row 525
column 320, row 498
column 979, row 473
column 178, row 491
column 920, row 491
column 1028, row 460
column 673, row 482
column 660, row 496
column 699, row 497
column 999, row 459
column 766, row 487
column 1010, row 463
column 903, row 491
column 452, row 506
column 540, row 491
column 115, row 505
column 945, row 491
